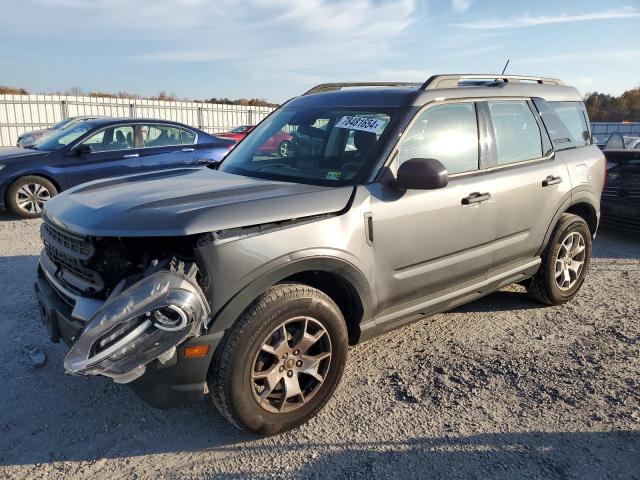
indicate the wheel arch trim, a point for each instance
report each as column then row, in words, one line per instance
column 226, row 315
column 572, row 205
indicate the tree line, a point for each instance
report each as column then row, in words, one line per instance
column 162, row 95
column 602, row 107
column 608, row 108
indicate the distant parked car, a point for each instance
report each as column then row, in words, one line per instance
column 279, row 143
column 238, row 133
column 29, row 139
column 99, row 148
column 621, row 195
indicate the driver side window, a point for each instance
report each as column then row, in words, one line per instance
column 448, row 133
column 111, row 139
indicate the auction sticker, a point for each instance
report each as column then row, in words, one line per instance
column 362, row 123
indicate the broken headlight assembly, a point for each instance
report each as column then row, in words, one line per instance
column 143, row 323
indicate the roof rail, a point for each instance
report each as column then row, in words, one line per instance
column 453, row 81
column 328, row 87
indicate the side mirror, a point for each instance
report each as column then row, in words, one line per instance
column 422, row 174
column 83, row 149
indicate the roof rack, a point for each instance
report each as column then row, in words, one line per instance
column 454, row 81
column 328, row 87
column 442, row 81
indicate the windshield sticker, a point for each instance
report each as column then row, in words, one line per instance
column 333, row 175
column 362, row 123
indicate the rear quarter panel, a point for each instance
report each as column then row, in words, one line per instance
column 586, row 166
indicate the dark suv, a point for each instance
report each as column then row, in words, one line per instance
column 250, row 281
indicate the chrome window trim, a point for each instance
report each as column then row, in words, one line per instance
column 133, row 124
column 195, row 140
column 102, row 129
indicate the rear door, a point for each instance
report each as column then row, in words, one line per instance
column 113, row 153
column 165, row 146
column 529, row 182
column 427, row 241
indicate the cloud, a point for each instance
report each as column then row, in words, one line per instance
column 609, row 55
column 461, row 5
column 528, row 20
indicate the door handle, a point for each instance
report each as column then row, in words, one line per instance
column 188, row 149
column 131, row 155
column 476, row 197
column 551, row 180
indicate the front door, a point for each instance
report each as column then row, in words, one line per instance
column 112, row 153
column 426, row 241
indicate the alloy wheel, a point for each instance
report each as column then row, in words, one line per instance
column 570, row 261
column 291, row 365
column 31, row 197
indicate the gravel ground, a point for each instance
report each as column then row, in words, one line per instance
column 500, row 388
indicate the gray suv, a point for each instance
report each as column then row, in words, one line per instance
column 248, row 280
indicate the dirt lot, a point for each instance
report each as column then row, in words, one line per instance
column 500, row 388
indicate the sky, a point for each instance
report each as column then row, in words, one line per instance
column 277, row 49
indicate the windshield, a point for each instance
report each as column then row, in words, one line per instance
column 64, row 137
column 61, row 123
column 316, row 145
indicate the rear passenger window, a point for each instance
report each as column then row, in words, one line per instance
column 448, row 133
column 516, row 131
column 164, row 135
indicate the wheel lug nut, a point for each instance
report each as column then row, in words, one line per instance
column 290, row 373
column 285, row 355
column 299, row 363
column 296, row 352
column 282, row 369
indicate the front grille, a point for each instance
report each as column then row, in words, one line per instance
column 71, row 253
column 63, row 296
column 74, row 244
column 621, row 193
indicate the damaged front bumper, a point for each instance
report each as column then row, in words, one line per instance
column 137, row 336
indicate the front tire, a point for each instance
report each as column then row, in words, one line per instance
column 27, row 195
column 565, row 262
column 281, row 361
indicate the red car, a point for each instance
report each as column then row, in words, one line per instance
column 279, row 143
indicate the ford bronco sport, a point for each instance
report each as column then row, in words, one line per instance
column 249, row 280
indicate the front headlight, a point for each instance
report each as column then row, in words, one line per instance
column 141, row 324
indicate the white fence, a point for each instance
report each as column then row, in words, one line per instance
column 22, row 113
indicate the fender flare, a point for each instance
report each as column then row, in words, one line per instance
column 227, row 315
column 581, row 196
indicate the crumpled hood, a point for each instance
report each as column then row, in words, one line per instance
column 187, row 201
column 14, row 154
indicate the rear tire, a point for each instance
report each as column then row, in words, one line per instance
column 27, row 195
column 279, row 364
column 565, row 262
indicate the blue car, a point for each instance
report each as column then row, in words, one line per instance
column 99, row 148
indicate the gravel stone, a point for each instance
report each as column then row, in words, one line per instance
column 499, row 388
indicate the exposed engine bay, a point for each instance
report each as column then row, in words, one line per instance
column 135, row 301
